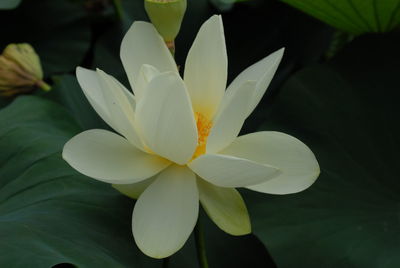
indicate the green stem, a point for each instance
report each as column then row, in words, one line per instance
column 43, row 85
column 165, row 263
column 118, row 9
column 171, row 47
column 200, row 245
column 339, row 40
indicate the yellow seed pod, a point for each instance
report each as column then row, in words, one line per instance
column 26, row 57
column 166, row 16
column 20, row 70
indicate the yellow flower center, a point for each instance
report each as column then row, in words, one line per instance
column 203, row 130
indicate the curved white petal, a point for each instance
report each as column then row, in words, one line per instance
column 166, row 119
column 298, row 165
column 166, row 213
column 146, row 74
column 229, row 171
column 262, row 72
column 108, row 157
column 90, row 84
column 111, row 100
column 120, row 108
column 230, row 118
column 134, row 190
column 143, row 45
column 206, row 67
column 225, row 207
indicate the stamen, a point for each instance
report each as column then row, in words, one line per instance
column 203, row 130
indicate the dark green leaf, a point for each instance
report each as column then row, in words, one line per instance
column 348, row 113
column 353, row 16
column 58, row 30
column 223, row 250
column 67, row 91
column 49, row 213
column 9, row 4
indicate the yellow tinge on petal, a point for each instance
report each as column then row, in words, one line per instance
column 20, row 70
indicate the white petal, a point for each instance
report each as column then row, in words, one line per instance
column 166, row 119
column 111, row 100
column 143, row 45
column 206, row 67
column 229, row 171
column 134, row 190
column 108, row 157
column 230, row 118
column 120, row 108
column 166, row 212
column 146, row 74
column 225, row 207
column 262, row 72
column 90, row 84
column 299, row 168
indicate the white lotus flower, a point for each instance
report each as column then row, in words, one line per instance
column 177, row 138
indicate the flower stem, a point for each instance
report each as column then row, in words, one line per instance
column 339, row 40
column 165, row 263
column 43, row 85
column 171, row 47
column 200, row 245
column 118, row 9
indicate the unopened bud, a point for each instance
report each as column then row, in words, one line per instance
column 166, row 16
column 20, row 70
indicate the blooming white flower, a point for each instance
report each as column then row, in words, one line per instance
column 177, row 141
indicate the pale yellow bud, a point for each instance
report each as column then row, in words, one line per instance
column 20, row 70
column 166, row 16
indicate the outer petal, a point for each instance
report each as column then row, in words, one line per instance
column 90, row 84
column 225, row 207
column 229, row 171
column 206, row 67
column 230, row 118
column 166, row 213
column 108, row 157
column 296, row 161
column 146, row 74
column 143, row 45
column 165, row 116
column 111, row 100
column 262, row 72
column 120, row 108
column 134, row 190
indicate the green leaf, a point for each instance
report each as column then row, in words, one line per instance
column 67, row 91
column 58, row 30
column 9, row 4
column 225, row 5
column 353, row 16
column 49, row 213
column 347, row 112
column 223, row 250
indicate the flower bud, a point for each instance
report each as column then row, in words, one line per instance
column 20, row 70
column 166, row 16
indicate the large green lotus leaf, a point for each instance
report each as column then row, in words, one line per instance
column 353, row 16
column 347, row 112
column 9, row 4
column 58, row 30
column 67, row 92
column 49, row 213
